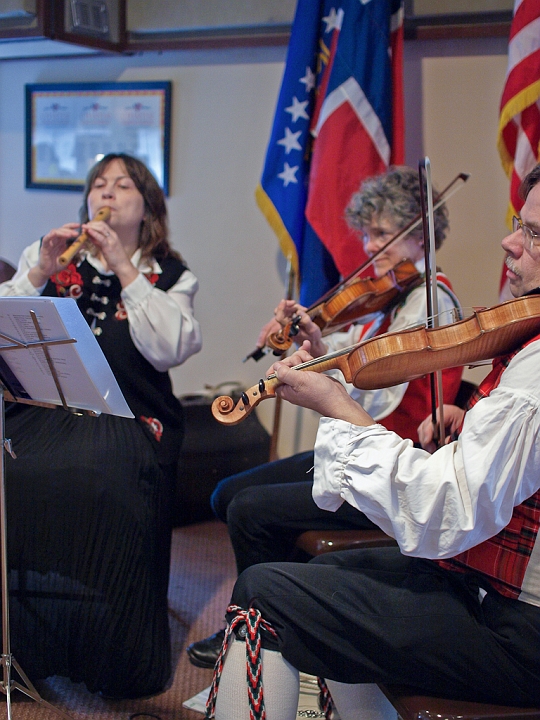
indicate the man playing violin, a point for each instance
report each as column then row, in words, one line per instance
column 455, row 610
column 268, row 507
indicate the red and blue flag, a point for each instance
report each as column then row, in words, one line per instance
column 519, row 117
column 339, row 119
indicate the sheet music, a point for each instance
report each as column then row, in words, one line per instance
column 84, row 374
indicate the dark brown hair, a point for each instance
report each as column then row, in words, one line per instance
column 528, row 182
column 153, row 234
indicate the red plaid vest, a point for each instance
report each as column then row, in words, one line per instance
column 503, row 559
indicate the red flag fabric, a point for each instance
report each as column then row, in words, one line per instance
column 519, row 117
column 350, row 141
column 339, row 119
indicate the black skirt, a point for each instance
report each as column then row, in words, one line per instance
column 88, row 551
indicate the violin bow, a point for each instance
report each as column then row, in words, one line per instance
column 456, row 184
column 432, row 301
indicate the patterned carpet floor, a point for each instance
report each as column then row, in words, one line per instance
column 201, row 580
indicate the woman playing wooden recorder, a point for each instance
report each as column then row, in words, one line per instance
column 89, row 498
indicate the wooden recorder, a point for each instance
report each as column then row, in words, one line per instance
column 67, row 256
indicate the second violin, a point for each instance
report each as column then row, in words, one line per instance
column 356, row 298
column 359, row 298
column 400, row 357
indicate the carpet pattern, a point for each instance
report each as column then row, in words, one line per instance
column 202, row 575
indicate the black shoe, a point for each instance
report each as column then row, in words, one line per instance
column 205, row 652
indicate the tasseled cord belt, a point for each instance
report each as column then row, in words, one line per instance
column 254, row 622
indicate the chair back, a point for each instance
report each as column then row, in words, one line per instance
column 7, row 271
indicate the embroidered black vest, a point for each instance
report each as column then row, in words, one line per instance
column 148, row 391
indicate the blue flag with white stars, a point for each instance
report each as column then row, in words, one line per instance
column 333, row 126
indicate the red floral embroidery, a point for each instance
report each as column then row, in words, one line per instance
column 152, row 277
column 121, row 312
column 154, row 425
column 68, row 282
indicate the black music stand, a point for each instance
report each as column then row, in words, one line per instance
column 33, row 339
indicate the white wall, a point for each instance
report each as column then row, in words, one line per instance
column 223, row 105
column 453, row 91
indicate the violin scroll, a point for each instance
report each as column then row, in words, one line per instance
column 281, row 341
column 227, row 412
column 223, row 405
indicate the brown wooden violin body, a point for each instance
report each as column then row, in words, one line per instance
column 354, row 298
column 398, row 357
column 404, row 356
column 359, row 298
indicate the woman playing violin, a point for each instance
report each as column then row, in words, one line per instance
column 383, row 206
column 268, row 507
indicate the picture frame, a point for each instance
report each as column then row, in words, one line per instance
column 70, row 126
column 448, row 19
column 450, row 8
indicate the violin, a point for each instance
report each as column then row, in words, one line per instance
column 353, row 298
column 402, row 356
column 67, row 256
column 359, row 298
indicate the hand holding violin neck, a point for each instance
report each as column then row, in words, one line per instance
column 402, row 356
column 281, row 341
column 227, row 412
column 355, row 300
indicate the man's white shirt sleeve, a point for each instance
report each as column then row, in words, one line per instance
column 438, row 505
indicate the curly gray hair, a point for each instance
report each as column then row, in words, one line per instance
column 395, row 195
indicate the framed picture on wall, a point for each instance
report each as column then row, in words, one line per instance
column 71, row 126
column 435, row 19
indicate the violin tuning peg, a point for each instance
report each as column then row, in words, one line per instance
column 257, row 354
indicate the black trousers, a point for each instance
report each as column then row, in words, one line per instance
column 268, row 507
column 378, row 616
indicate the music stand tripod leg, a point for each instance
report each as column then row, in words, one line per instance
column 8, row 661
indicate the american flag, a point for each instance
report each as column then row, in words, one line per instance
column 339, row 119
column 519, row 118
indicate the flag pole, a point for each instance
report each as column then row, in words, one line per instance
column 273, row 454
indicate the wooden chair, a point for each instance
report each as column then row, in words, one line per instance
column 7, row 271
column 315, row 542
column 412, row 706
